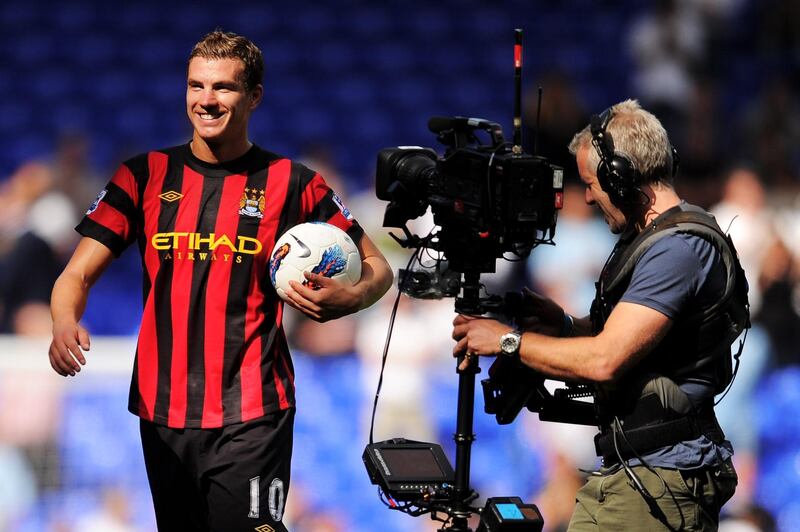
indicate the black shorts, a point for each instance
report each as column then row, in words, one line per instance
column 230, row 479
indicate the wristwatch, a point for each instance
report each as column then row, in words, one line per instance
column 509, row 343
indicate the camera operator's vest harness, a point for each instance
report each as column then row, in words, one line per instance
column 652, row 411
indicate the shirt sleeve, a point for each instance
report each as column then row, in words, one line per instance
column 667, row 276
column 319, row 203
column 111, row 218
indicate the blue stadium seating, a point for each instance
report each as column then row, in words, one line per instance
column 778, row 405
column 416, row 54
column 99, row 439
column 359, row 76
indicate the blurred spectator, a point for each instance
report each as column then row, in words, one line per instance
column 668, row 45
column 35, row 236
column 701, row 142
column 419, row 345
column 567, row 271
column 780, row 309
column 743, row 212
column 17, row 194
column 73, row 174
column 32, row 263
column 18, row 488
column 770, row 133
column 562, row 114
column 780, row 305
column 779, row 33
column 32, row 429
column 113, row 514
column 751, row 519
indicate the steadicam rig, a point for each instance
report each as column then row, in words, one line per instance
column 488, row 199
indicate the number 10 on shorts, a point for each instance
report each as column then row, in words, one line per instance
column 276, row 498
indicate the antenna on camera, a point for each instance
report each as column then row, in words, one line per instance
column 517, row 147
column 536, row 131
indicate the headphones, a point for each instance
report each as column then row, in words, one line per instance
column 617, row 174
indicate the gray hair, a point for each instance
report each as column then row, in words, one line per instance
column 639, row 136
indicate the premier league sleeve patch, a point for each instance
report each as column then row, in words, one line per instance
column 345, row 211
column 96, row 202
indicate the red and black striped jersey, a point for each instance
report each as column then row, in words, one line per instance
column 211, row 348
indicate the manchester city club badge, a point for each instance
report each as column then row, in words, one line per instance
column 252, row 203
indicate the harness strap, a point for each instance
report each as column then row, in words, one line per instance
column 677, row 221
column 716, row 326
column 642, row 440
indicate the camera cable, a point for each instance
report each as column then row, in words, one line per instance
column 737, row 359
column 651, row 502
column 384, row 356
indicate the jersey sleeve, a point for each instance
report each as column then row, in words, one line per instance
column 112, row 218
column 319, row 203
column 667, row 276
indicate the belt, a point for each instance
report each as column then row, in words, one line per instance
column 641, row 440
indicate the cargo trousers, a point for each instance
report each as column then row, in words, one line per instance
column 684, row 500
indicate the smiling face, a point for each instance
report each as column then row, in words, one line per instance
column 219, row 107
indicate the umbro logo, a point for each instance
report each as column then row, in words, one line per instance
column 264, row 528
column 304, row 251
column 170, row 196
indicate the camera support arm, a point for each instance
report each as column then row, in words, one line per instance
column 411, row 240
column 464, row 436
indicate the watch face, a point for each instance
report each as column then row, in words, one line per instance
column 509, row 343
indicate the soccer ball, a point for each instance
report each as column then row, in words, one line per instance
column 315, row 247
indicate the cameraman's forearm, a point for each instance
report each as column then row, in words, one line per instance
column 630, row 332
column 571, row 359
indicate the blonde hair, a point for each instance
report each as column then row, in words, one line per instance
column 227, row 45
column 638, row 135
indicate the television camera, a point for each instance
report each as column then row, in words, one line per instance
column 488, row 200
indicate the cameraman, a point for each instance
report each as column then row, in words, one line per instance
column 656, row 346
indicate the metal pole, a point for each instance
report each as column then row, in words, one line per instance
column 469, row 302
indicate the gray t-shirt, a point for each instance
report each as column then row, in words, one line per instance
column 680, row 274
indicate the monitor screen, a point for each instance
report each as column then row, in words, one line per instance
column 412, row 463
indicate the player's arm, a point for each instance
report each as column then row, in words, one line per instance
column 68, row 302
column 335, row 299
column 630, row 333
column 376, row 274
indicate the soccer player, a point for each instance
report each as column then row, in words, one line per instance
column 212, row 382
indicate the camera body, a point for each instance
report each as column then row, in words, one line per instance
column 488, row 199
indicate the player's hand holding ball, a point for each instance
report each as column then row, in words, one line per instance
column 314, row 267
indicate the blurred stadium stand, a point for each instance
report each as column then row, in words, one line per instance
column 356, row 76
column 346, row 71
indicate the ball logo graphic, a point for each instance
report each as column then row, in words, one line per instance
column 314, row 247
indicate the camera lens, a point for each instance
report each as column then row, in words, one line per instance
column 414, row 170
